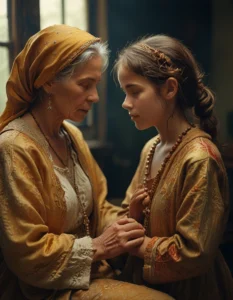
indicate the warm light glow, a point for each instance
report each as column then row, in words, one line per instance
column 75, row 13
column 4, row 58
column 3, row 7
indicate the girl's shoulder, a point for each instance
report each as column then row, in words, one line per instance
column 200, row 148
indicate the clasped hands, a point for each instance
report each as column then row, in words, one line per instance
column 139, row 201
column 125, row 234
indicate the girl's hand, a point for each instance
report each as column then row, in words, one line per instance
column 122, row 236
column 140, row 251
column 138, row 202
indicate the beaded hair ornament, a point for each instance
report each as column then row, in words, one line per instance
column 164, row 62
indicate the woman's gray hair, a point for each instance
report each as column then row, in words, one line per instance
column 96, row 49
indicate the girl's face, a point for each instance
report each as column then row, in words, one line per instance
column 143, row 101
column 73, row 97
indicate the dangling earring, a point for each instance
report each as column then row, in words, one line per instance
column 49, row 107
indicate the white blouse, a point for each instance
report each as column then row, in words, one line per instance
column 74, row 216
column 77, row 272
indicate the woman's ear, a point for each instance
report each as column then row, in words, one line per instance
column 170, row 88
column 48, row 87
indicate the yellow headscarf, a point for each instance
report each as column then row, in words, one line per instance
column 44, row 55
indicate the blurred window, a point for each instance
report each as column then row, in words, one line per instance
column 71, row 12
column 5, row 45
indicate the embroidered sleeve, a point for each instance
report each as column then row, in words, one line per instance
column 200, row 221
column 77, row 271
column 32, row 249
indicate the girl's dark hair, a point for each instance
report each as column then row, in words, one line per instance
column 159, row 57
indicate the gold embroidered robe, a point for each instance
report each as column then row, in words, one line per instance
column 188, row 215
column 32, row 214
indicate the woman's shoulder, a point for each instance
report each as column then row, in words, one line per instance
column 73, row 130
column 14, row 137
column 7, row 137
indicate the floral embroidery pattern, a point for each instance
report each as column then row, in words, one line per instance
column 190, row 199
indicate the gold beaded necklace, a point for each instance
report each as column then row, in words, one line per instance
column 86, row 220
column 150, row 155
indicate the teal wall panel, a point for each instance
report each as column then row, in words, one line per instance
column 189, row 21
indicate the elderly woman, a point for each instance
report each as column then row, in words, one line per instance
column 52, row 193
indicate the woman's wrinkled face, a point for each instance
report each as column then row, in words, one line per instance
column 73, row 97
column 142, row 99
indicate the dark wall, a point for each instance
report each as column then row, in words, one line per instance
column 187, row 20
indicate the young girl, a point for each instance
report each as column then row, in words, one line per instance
column 179, row 191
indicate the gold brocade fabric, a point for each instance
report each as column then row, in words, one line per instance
column 44, row 55
column 188, row 217
column 108, row 289
column 34, row 249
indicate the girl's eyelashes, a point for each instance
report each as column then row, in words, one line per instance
column 131, row 92
column 135, row 93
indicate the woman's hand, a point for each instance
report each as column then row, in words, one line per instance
column 138, row 202
column 122, row 236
